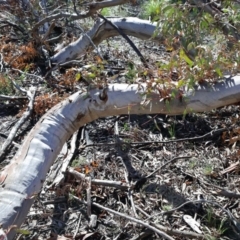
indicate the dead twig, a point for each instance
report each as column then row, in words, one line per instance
column 235, row 223
column 212, row 133
column 221, row 191
column 78, row 226
column 28, row 74
column 132, row 219
column 106, row 183
column 25, row 116
column 168, row 162
column 231, row 168
column 14, row 143
column 93, row 7
column 89, row 206
column 171, row 231
column 66, row 161
column 186, row 234
column 5, row 97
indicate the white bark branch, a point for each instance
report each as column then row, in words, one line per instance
column 22, row 120
column 24, row 176
column 136, row 27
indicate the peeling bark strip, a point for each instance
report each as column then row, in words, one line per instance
column 22, row 179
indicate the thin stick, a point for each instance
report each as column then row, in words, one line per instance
column 165, row 142
column 231, row 217
column 5, row 97
column 222, row 191
column 66, row 161
column 168, row 162
column 28, row 74
column 173, row 231
column 14, row 143
column 89, row 188
column 161, row 233
column 78, row 225
column 22, row 120
column 106, row 183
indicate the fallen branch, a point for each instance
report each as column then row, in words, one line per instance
column 168, row 162
column 66, row 161
column 132, row 219
column 93, row 7
column 230, row 216
column 210, row 134
column 21, row 121
column 99, row 182
column 172, row 231
column 6, row 97
column 22, row 179
column 102, row 30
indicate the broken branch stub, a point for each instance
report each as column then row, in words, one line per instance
column 22, row 179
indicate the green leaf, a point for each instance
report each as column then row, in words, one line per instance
column 181, row 83
column 23, row 231
column 219, row 72
column 78, row 76
column 167, row 9
column 184, row 57
column 191, row 46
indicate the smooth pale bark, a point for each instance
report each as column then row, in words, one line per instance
column 131, row 26
column 22, row 179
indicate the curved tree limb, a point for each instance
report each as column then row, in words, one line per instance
column 22, row 179
column 102, row 30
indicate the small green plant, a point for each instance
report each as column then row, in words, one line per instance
column 209, row 237
column 171, row 131
column 222, row 228
column 113, row 11
column 78, row 162
column 23, row 231
column 192, row 163
column 167, row 207
column 207, row 169
column 126, row 127
column 213, row 222
column 151, row 9
column 132, row 72
column 106, row 12
column 6, row 87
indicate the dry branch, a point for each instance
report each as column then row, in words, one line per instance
column 22, row 120
column 106, row 183
column 102, row 30
column 93, row 7
column 22, row 179
column 132, row 219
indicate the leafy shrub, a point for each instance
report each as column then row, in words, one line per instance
column 151, row 9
